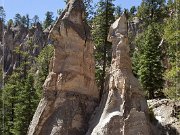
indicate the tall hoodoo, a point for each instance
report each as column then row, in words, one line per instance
column 123, row 109
column 70, row 93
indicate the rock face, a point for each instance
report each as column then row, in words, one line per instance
column 70, row 93
column 13, row 38
column 133, row 30
column 30, row 40
column 123, row 109
column 166, row 113
column 19, row 37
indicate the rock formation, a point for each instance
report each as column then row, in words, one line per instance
column 123, row 109
column 133, row 30
column 13, row 38
column 20, row 37
column 70, row 93
column 165, row 113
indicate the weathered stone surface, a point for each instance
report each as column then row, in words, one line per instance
column 20, row 37
column 133, row 30
column 166, row 113
column 123, row 109
column 136, row 123
column 70, row 93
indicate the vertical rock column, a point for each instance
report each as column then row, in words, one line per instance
column 123, row 109
column 70, row 93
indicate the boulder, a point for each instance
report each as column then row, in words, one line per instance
column 166, row 115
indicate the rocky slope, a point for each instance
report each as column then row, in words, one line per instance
column 165, row 115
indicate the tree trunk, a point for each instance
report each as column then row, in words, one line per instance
column 151, row 94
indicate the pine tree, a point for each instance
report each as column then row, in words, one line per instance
column 11, row 87
column 172, row 41
column 35, row 19
column 151, row 11
column 10, row 23
column 60, row 11
column 21, row 100
column 1, row 100
column 23, row 20
column 88, row 9
column 101, row 23
column 148, row 61
column 42, row 63
column 27, row 21
column 27, row 100
column 21, row 96
column 17, row 19
column 49, row 19
column 118, row 12
column 2, row 14
column 133, row 10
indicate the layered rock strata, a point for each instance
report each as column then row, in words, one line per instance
column 123, row 109
column 70, row 93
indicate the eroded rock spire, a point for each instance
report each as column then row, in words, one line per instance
column 123, row 109
column 70, row 93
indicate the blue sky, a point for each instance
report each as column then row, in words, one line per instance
column 40, row 7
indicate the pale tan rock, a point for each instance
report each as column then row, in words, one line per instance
column 136, row 124
column 70, row 93
column 123, row 109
